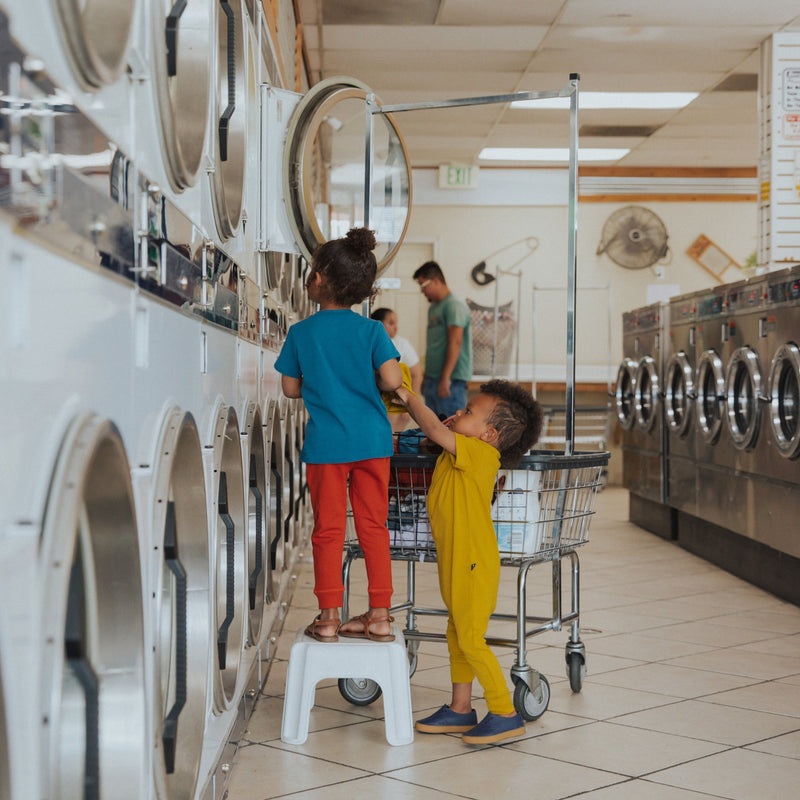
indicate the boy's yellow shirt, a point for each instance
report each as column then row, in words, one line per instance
column 460, row 502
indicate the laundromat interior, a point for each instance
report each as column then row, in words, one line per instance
column 613, row 188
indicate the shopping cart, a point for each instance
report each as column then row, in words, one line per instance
column 541, row 512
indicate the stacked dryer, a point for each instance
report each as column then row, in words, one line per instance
column 638, row 403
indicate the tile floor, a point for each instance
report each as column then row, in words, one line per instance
column 692, row 693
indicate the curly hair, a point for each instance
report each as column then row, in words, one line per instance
column 349, row 266
column 518, row 419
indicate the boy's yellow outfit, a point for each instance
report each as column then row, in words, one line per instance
column 459, row 507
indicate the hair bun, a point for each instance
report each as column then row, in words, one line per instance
column 362, row 240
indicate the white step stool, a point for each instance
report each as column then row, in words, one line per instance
column 311, row 661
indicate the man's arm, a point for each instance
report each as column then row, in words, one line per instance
column 455, row 337
column 427, row 420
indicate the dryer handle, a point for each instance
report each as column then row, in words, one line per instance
column 224, row 120
column 169, row 737
column 222, row 632
column 254, row 490
column 171, row 31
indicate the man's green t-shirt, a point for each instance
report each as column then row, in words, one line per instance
column 441, row 315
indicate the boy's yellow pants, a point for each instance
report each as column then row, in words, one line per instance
column 469, row 590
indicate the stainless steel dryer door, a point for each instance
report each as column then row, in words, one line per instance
column 647, row 401
column 235, row 76
column 679, row 395
column 784, row 392
column 742, row 394
column 325, row 163
column 624, row 394
column 182, row 51
column 97, row 33
column 710, row 395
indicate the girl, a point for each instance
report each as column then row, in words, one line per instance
column 338, row 362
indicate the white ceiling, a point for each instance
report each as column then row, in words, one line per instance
column 419, row 50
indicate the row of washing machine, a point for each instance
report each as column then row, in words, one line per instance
column 708, row 399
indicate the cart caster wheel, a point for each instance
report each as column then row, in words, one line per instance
column 576, row 671
column 525, row 700
column 359, row 691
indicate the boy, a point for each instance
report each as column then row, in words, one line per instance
column 498, row 426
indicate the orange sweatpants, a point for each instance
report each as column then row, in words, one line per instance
column 369, row 499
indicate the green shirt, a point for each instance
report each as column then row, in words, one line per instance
column 441, row 315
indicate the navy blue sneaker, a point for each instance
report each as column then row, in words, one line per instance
column 446, row 721
column 494, row 728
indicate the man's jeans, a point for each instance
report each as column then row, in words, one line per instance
column 444, row 405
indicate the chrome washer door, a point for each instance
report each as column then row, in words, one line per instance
column 97, row 34
column 710, row 395
column 679, row 395
column 230, row 117
column 647, row 401
column 324, row 161
column 742, row 392
column 784, row 392
column 182, row 50
column 624, row 394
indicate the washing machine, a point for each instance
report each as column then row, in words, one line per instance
column 730, row 407
column 778, row 460
column 638, row 402
column 680, row 393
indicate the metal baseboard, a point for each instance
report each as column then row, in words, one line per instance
column 761, row 565
column 652, row 516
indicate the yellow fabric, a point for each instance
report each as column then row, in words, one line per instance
column 459, row 507
column 388, row 397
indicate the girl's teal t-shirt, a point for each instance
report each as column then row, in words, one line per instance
column 336, row 353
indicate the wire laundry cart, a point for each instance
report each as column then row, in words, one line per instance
column 541, row 513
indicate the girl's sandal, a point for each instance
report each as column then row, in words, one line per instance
column 366, row 620
column 318, row 625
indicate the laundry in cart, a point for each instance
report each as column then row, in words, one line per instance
column 515, row 513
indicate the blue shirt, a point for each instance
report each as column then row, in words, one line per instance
column 336, row 353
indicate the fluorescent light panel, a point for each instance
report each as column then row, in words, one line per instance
column 551, row 154
column 614, row 100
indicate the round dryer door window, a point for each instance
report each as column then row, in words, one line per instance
column 624, row 394
column 742, row 392
column 324, row 170
column 784, row 390
column 181, row 34
column 235, row 79
column 646, row 397
column 679, row 394
column 710, row 395
column 97, row 33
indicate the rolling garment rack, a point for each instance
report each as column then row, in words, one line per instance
column 541, row 510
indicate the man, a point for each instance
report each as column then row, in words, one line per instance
column 448, row 352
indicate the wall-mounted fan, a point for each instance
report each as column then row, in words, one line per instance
column 634, row 237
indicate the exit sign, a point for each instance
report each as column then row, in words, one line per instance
column 458, row 176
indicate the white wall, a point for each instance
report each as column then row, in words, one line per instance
column 462, row 235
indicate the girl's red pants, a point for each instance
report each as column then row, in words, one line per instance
column 369, row 499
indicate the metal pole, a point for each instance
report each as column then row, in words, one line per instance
column 494, row 332
column 533, row 343
column 519, row 312
column 368, row 156
column 572, row 264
